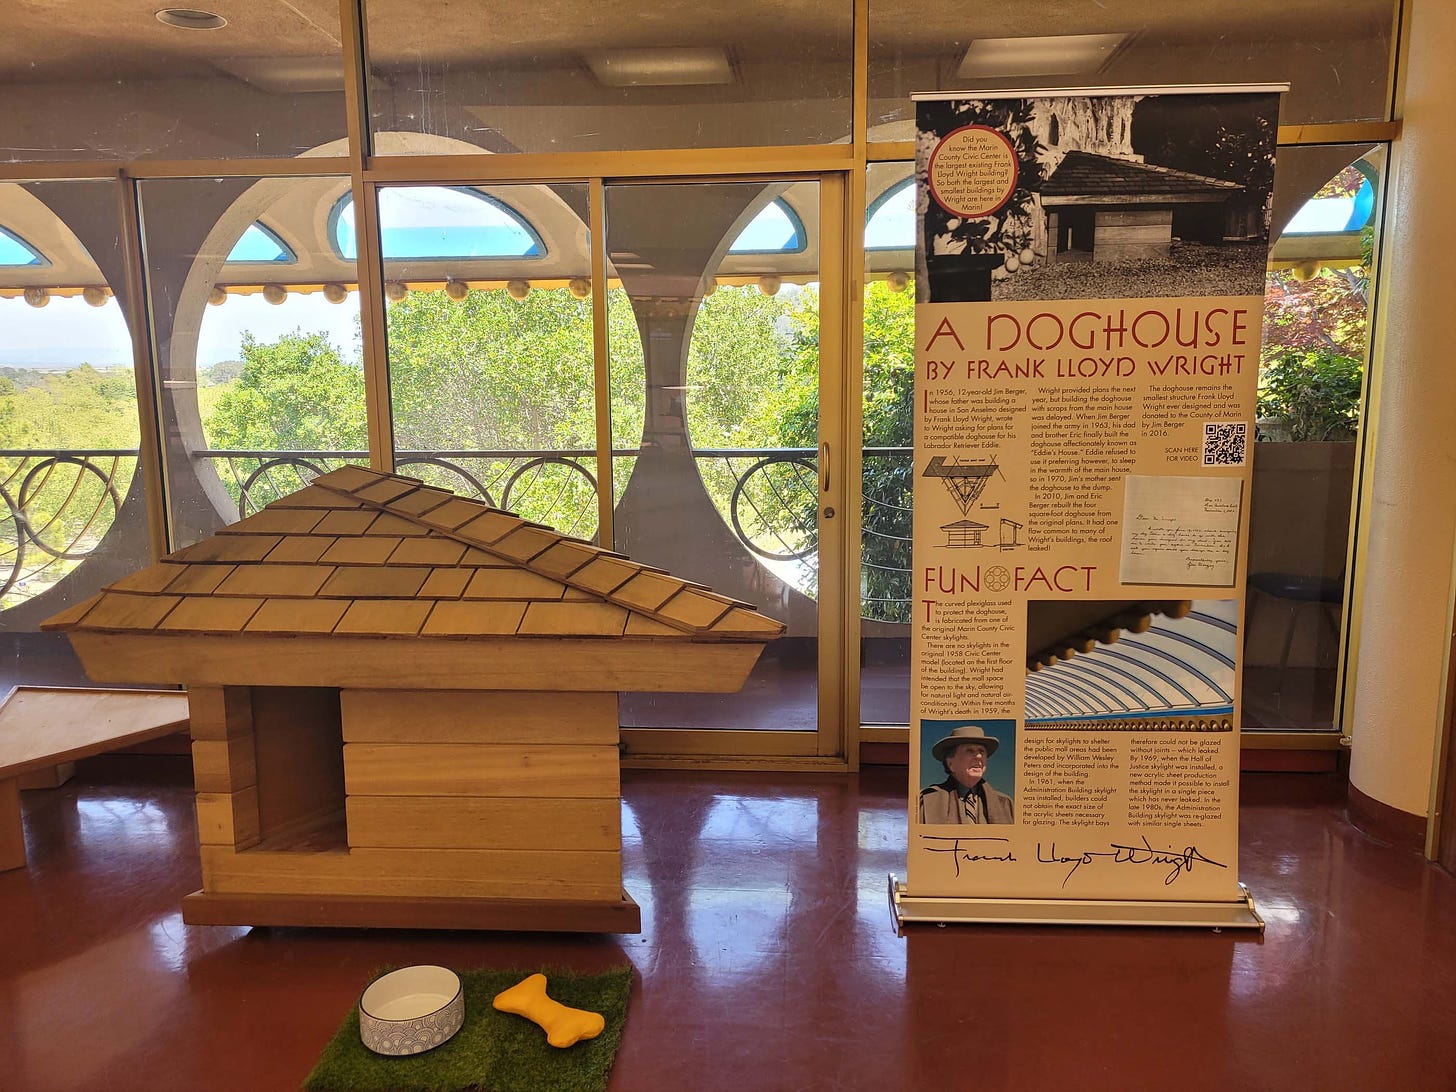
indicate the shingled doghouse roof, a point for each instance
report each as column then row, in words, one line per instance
column 1089, row 175
column 318, row 577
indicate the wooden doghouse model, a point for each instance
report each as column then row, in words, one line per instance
column 404, row 704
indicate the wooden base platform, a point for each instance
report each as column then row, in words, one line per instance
column 365, row 912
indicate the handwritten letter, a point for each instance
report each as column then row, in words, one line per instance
column 1180, row 530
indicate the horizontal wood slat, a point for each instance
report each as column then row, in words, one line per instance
column 457, row 873
column 478, row 716
column 487, row 664
column 480, row 769
column 448, row 822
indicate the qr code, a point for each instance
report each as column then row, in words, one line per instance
column 1225, row 443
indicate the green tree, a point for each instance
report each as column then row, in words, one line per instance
column 294, row 394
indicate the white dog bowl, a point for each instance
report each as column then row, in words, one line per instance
column 411, row 1010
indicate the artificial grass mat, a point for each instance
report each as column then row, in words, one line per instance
column 492, row 1051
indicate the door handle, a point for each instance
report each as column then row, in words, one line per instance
column 824, row 467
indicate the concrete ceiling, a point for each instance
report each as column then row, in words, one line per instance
column 47, row 41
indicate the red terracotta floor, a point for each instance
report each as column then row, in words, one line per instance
column 766, row 962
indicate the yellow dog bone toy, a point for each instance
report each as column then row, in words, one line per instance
column 563, row 1026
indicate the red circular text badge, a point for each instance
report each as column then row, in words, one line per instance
column 973, row 171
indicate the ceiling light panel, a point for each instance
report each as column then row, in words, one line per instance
column 1065, row 54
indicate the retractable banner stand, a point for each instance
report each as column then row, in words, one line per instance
column 1090, row 281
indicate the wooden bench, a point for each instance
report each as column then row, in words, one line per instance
column 41, row 727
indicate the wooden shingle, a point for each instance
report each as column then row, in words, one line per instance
column 446, row 583
column 360, row 550
column 288, row 616
column 434, row 550
column 200, row 579
column 265, row 580
column 647, row 591
column 210, row 614
column 276, row 521
column 573, row 619
column 300, row 549
column 228, row 548
column 316, row 496
column 512, row 584
column 490, row 527
column 385, row 617
column 120, row 610
column 373, row 582
column 453, row 513
column 346, row 523
column 150, row 580
column 350, row 478
column 422, row 500
column 474, row 618
column 525, row 542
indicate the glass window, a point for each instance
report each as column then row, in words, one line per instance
column 1309, row 407
column 73, row 516
column 440, row 222
column 1336, row 58
column 262, row 379
column 888, row 438
column 117, row 83
column 723, row 465
column 490, row 359
column 259, row 244
column 579, row 76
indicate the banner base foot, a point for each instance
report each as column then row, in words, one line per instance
column 1235, row 914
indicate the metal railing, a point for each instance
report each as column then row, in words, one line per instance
column 58, row 506
column 61, row 503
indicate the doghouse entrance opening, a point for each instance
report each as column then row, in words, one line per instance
column 299, row 744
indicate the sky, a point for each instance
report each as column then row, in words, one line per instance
column 68, row 331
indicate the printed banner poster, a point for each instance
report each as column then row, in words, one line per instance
column 1090, row 283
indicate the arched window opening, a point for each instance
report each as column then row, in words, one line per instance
column 260, row 244
column 1343, row 204
column 890, row 219
column 425, row 223
column 775, row 230
column 15, row 251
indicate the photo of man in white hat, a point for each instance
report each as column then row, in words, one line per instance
column 965, row 796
